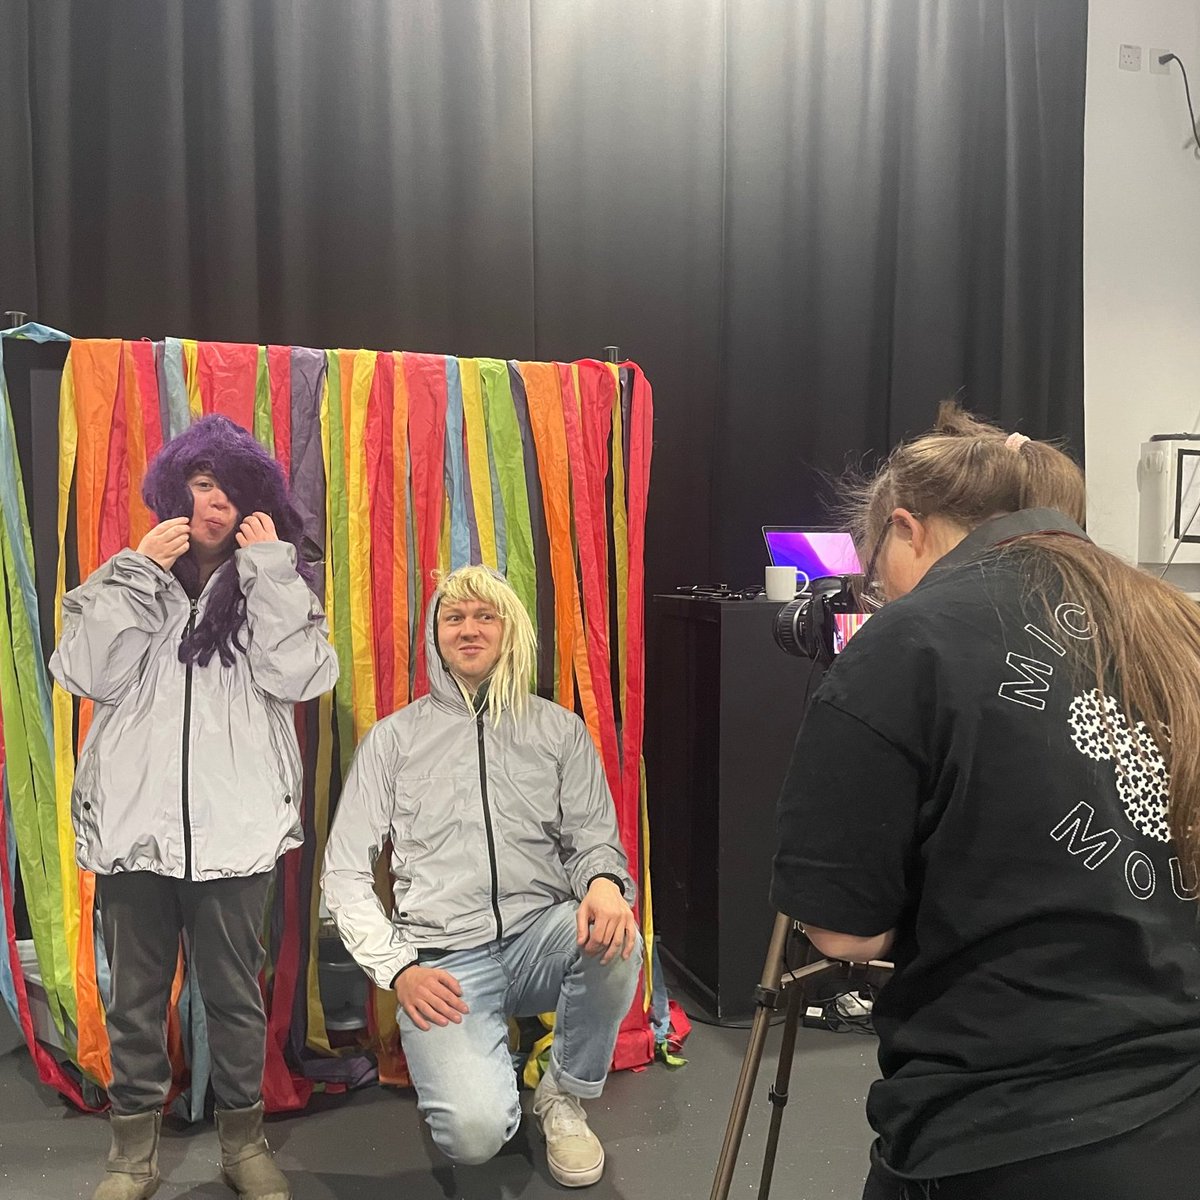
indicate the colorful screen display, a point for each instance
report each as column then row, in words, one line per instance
column 815, row 552
column 845, row 626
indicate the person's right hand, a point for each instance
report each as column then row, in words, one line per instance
column 166, row 542
column 428, row 994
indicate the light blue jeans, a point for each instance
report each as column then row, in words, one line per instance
column 466, row 1085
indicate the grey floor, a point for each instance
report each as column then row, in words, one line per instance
column 662, row 1131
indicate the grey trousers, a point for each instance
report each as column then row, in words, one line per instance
column 142, row 916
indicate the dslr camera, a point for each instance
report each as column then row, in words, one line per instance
column 820, row 621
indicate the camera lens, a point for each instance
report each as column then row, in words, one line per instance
column 789, row 627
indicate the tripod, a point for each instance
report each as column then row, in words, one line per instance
column 775, row 986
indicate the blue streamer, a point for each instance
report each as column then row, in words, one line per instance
column 194, row 1023
column 455, row 471
column 7, row 984
column 178, row 415
column 103, row 967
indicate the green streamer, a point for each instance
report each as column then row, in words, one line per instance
column 264, row 425
column 508, row 454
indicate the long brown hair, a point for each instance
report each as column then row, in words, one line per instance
column 1145, row 634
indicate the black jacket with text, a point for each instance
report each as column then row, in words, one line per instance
column 955, row 780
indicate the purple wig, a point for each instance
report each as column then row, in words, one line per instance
column 254, row 482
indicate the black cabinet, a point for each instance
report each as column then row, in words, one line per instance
column 723, row 707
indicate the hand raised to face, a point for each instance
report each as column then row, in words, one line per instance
column 257, row 527
column 167, row 542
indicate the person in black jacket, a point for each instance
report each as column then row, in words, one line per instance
column 997, row 788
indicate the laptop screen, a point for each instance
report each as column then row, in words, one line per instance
column 816, row 552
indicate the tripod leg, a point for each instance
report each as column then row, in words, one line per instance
column 779, row 1091
column 768, row 992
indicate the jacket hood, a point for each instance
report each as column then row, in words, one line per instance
column 442, row 684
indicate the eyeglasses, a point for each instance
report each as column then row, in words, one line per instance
column 872, row 595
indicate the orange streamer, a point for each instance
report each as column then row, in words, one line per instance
column 550, row 438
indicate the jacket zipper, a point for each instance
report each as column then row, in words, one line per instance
column 487, row 824
column 187, row 737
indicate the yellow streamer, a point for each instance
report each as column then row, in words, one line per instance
column 478, row 466
column 647, row 896
column 318, row 1035
column 190, row 356
column 620, row 517
column 362, row 626
column 443, row 542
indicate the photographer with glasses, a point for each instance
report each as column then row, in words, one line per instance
column 997, row 788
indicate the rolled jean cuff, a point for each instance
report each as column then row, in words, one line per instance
column 581, row 1089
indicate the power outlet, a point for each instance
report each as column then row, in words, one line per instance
column 1157, row 68
column 1131, row 58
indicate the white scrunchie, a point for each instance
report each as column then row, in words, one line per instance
column 1016, row 441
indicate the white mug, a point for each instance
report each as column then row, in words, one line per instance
column 782, row 583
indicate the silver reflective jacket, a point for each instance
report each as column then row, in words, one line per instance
column 490, row 824
column 189, row 771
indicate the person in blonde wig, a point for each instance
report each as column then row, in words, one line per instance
column 997, row 787
column 510, row 679
column 512, row 891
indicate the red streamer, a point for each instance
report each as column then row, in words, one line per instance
column 425, row 375
column 228, row 378
column 279, row 373
column 380, row 476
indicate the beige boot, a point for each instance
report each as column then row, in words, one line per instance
column 246, row 1161
column 132, row 1169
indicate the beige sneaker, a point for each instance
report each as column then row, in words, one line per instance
column 573, row 1151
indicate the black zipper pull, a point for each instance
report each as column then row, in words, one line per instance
column 191, row 622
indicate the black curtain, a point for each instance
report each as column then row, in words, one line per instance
column 903, row 224
column 807, row 220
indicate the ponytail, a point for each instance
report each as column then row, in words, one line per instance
column 966, row 471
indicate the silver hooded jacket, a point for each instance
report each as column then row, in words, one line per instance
column 490, row 824
column 188, row 771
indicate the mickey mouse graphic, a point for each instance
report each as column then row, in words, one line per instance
column 1101, row 731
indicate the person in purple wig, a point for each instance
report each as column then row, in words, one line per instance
column 194, row 649
column 181, row 483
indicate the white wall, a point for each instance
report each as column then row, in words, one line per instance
column 1141, row 252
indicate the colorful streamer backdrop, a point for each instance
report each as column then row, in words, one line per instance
column 400, row 464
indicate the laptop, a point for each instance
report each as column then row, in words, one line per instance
column 816, row 552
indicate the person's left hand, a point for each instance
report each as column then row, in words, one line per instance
column 606, row 922
column 257, row 527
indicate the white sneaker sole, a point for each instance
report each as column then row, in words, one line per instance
column 576, row 1179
